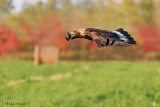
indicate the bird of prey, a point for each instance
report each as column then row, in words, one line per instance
column 103, row 38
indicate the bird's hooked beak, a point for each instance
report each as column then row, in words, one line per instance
column 70, row 35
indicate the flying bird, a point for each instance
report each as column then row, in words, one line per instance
column 103, row 38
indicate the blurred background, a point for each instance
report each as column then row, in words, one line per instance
column 27, row 23
column 35, row 30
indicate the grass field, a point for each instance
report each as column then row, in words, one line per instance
column 80, row 84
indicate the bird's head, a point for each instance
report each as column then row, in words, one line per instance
column 75, row 34
column 71, row 35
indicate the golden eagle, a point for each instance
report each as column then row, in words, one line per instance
column 103, row 38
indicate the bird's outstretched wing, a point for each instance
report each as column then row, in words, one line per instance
column 108, row 38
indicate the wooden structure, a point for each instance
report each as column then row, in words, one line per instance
column 46, row 55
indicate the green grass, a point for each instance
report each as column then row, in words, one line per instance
column 92, row 84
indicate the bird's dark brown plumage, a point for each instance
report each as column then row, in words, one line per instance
column 103, row 38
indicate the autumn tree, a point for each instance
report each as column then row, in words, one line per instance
column 150, row 37
column 53, row 19
column 146, row 11
column 8, row 40
column 5, row 7
column 140, row 11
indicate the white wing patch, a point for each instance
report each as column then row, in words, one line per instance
column 121, row 36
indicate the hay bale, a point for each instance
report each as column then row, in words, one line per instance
column 46, row 55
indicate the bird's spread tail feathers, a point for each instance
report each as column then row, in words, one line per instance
column 124, row 36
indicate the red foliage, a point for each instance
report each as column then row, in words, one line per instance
column 8, row 40
column 150, row 37
column 48, row 31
